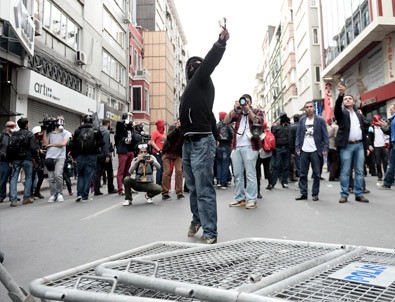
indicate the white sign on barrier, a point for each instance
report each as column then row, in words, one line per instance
column 367, row 273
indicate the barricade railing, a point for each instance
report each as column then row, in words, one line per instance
column 81, row 284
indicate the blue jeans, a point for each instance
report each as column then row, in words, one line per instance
column 390, row 174
column 305, row 159
column 281, row 165
column 86, row 168
column 5, row 172
column 198, row 163
column 55, row 178
column 223, row 162
column 27, row 166
column 352, row 153
column 244, row 158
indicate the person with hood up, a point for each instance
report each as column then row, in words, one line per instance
column 158, row 137
column 197, row 126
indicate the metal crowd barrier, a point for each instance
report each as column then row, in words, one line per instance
column 229, row 271
column 245, row 270
column 81, row 283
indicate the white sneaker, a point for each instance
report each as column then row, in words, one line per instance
column 149, row 200
column 60, row 198
column 127, row 202
column 52, row 198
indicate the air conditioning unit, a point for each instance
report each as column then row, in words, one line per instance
column 80, row 57
column 38, row 27
column 127, row 18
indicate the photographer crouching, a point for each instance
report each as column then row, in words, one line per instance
column 144, row 182
column 245, row 146
column 55, row 139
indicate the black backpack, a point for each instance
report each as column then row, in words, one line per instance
column 86, row 141
column 224, row 133
column 17, row 146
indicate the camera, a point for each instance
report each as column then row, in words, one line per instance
column 49, row 123
column 243, row 102
column 146, row 157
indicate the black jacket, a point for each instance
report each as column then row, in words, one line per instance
column 197, row 101
column 343, row 120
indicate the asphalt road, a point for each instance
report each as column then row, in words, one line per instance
column 44, row 238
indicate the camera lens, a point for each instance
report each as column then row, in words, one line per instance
column 243, row 101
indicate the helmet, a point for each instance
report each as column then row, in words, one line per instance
column 88, row 119
column 36, row 129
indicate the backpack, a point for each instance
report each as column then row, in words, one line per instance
column 269, row 143
column 86, row 141
column 223, row 132
column 17, row 146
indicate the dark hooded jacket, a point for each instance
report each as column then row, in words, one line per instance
column 197, row 101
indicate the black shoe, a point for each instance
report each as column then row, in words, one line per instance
column 301, row 197
column 38, row 195
column 315, row 197
column 166, row 197
column 362, row 199
column 180, row 196
column 269, row 187
column 98, row 193
column 380, row 179
column 366, row 191
column 113, row 191
column 285, row 186
column 193, row 229
column 207, row 240
column 259, row 196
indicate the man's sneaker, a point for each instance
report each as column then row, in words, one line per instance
column 121, row 193
column 86, row 199
column 236, row 203
column 71, row 193
column 180, row 196
column 79, row 198
column 285, row 186
column 362, row 199
column 207, row 240
column 384, row 187
column 27, row 201
column 52, row 198
column 224, row 187
column 250, row 205
column 149, row 200
column 218, row 186
column 193, row 229
column 60, row 198
column 166, row 197
column 98, row 193
column 343, row 200
column 135, row 192
column 127, row 202
column 13, row 204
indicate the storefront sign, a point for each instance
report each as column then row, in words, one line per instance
column 112, row 114
column 367, row 273
column 43, row 89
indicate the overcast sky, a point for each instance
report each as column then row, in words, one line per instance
column 247, row 23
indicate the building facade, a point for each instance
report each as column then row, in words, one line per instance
column 164, row 57
column 358, row 45
column 79, row 59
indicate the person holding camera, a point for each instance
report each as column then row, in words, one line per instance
column 197, row 126
column 55, row 140
column 245, row 147
column 104, row 160
column 144, row 165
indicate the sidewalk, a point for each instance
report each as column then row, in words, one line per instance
column 44, row 187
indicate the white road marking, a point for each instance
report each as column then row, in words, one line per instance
column 100, row 212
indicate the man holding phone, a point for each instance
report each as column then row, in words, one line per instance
column 197, row 127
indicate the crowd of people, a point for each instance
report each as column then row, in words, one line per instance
column 206, row 152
